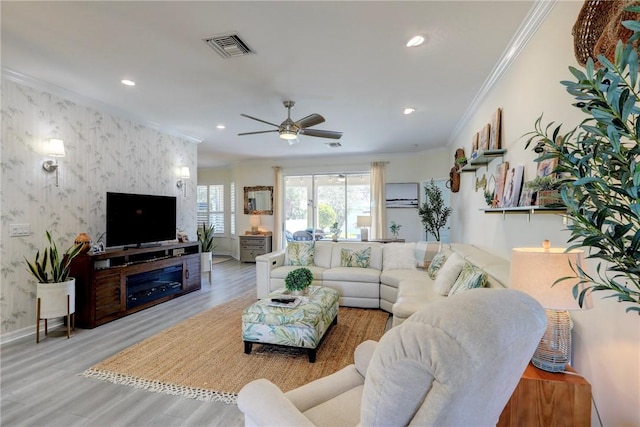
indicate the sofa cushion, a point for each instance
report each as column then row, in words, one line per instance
column 299, row 253
column 448, row 273
column 355, row 258
column 351, row 274
column 470, row 277
column 398, row 256
column 435, row 264
column 394, row 277
column 282, row 271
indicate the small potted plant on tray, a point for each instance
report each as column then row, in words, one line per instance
column 547, row 189
column 298, row 280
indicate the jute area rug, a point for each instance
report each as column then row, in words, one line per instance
column 203, row 357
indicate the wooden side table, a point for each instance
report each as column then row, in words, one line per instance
column 548, row 399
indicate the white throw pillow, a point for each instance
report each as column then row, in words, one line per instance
column 398, row 256
column 448, row 274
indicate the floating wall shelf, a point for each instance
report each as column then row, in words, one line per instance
column 528, row 210
column 483, row 158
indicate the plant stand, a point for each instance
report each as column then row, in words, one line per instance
column 55, row 300
column 206, row 264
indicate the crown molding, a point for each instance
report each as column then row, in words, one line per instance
column 519, row 41
column 26, row 80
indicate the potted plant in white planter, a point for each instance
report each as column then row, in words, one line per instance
column 298, row 280
column 56, row 291
column 205, row 237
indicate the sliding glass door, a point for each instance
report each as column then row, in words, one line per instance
column 314, row 203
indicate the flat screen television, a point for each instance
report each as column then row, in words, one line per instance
column 140, row 219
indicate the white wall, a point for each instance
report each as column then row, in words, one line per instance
column 606, row 340
column 103, row 153
column 418, row 167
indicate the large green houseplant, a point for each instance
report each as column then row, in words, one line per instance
column 433, row 213
column 52, row 268
column 599, row 161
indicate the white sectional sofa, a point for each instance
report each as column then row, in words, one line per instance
column 392, row 281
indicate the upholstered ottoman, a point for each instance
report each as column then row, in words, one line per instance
column 302, row 326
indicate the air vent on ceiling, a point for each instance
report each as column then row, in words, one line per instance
column 333, row 144
column 228, row 45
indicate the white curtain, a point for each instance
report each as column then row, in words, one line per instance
column 278, row 222
column 378, row 209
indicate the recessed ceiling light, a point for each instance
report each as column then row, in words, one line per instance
column 409, row 110
column 221, row 126
column 415, row 41
column 128, row 82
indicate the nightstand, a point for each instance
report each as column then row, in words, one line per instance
column 548, row 399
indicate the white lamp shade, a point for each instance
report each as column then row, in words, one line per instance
column 56, row 148
column 254, row 220
column 535, row 270
column 364, row 221
column 185, row 173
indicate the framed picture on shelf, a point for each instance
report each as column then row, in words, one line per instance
column 512, row 187
column 546, row 167
column 527, row 198
column 495, row 136
column 485, row 135
column 474, row 146
column 501, row 174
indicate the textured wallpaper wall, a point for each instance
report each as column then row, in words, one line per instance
column 103, row 153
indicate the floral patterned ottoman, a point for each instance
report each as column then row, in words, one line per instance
column 302, row 325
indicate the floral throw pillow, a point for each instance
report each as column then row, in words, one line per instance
column 435, row 265
column 470, row 277
column 300, row 253
column 353, row 258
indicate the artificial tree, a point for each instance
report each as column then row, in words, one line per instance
column 599, row 162
column 433, row 212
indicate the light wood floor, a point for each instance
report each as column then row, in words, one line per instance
column 41, row 383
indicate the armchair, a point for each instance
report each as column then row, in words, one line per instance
column 455, row 362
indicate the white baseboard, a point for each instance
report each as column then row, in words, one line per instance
column 29, row 331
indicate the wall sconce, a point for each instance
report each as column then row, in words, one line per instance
column 55, row 149
column 184, row 175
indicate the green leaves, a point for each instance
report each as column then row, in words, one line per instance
column 433, row 213
column 599, row 164
column 51, row 268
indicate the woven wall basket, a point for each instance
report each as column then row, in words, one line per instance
column 598, row 28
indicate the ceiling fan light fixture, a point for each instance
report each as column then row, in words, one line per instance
column 288, row 134
column 415, row 41
column 408, row 111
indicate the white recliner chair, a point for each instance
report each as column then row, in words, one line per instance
column 454, row 363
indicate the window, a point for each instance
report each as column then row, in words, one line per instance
column 232, row 219
column 316, row 202
column 211, row 206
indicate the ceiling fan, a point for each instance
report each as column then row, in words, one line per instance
column 289, row 130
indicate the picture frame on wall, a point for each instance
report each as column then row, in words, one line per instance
column 527, row 198
column 495, row 137
column 402, row 195
column 512, row 187
column 485, row 135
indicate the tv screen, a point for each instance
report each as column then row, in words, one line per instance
column 138, row 219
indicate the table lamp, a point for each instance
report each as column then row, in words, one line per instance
column 534, row 271
column 364, row 221
column 254, row 221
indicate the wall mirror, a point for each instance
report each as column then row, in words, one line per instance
column 258, row 200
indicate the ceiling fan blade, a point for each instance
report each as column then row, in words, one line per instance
column 257, row 132
column 321, row 133
column 310, row 120
column 259, row 120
